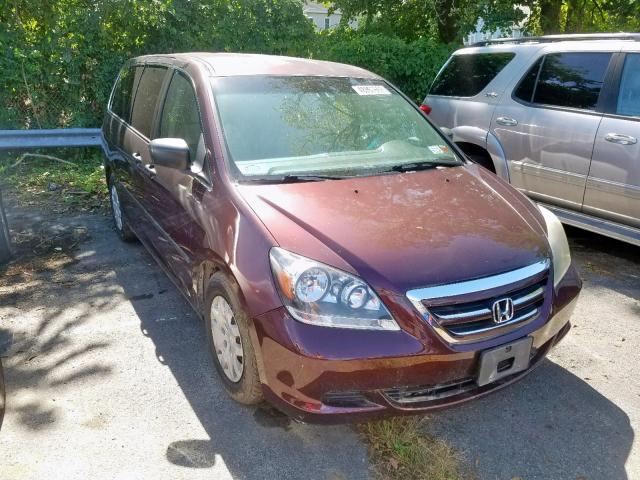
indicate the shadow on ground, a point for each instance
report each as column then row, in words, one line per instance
column 551, row 425
column 248, row 442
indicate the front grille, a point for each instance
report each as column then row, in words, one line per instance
column 475, row 318
column 463, row 312
column 406, row 395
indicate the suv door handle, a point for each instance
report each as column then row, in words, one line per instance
column 137, row 157
column 507, row 121
column 620, row 139
column 491, row 94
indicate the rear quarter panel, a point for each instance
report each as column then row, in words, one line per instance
column 477, row 111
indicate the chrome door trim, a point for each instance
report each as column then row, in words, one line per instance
column 549, row 173
column 598, row 225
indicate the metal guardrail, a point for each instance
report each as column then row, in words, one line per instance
column 54, row 138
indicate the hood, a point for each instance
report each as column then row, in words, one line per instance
column 409, row 230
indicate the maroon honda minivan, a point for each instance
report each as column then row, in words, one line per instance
column 347, row 260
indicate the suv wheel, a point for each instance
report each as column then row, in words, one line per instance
column 227, row 328
column 120, row 222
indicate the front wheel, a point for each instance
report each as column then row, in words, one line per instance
column 119, row 221
column 227, row 328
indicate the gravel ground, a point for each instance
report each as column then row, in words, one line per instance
column 108, row 377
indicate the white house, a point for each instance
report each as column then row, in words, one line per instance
column 319, row 15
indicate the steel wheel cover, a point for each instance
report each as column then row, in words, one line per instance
column 226, row 339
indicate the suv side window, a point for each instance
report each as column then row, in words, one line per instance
column 527, row 85
column 146, row 98
column 123, row 94
column 629, row 92
column 181, row 119
column 468, row 75
column 571, row 80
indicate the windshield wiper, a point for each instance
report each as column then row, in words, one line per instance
column 416, row 166
column 294, row 178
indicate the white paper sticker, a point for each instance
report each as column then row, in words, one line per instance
column 370, row 90
column 439, row 149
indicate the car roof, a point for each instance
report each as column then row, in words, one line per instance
column 556, row 43
column 230, row 64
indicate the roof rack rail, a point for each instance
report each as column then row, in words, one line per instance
column 572, row 37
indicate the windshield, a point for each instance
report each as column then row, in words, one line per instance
column 288, row 126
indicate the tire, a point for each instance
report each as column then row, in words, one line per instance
column 5, row 242
column 242, row 384
column 119, row 221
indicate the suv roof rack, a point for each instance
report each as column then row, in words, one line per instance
column 572, row 37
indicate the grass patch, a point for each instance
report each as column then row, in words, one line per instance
column 401, row 450
column 78, row 185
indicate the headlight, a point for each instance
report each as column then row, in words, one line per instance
column 318, row 294
column 559, row 245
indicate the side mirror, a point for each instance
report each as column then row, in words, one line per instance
column 170, row 153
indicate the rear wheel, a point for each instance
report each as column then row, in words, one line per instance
column 119, row 221
column 227, row 328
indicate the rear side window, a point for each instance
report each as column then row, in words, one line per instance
column 181, row 117
column 629, row 93
column 146, row 99
column 123, row 93
column 571, row 80
column 525, row 89
column 468, row 75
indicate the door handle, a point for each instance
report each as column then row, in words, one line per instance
column 150, row 169
column 137, row 157
column 507, row 121
column 491, row 94
column 620, row 139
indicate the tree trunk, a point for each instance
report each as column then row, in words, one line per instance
column 5, row 245
column 575, row 16
column 550, row 16
column 447, row 28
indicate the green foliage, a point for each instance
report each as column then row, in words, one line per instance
column 81, row 182
column 59, row 58
column 412, row 66
column 444, row 20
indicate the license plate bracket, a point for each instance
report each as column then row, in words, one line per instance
column 504, row 360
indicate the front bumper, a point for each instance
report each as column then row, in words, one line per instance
column 330, row 375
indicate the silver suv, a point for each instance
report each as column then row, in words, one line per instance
column 558, row 117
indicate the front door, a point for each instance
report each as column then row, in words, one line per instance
column 179, row 192
column 613, row 186
column 548, row 126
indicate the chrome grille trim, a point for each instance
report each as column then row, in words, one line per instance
column 528, row 298
column 478, row 285
column 471, row 324
column 521, row 318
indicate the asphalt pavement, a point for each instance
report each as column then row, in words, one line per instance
column 108, row 377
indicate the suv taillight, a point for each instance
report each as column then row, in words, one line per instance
column 425, row 108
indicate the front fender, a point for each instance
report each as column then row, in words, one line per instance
column 487, row 140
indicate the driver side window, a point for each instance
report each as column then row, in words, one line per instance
column 181, row 119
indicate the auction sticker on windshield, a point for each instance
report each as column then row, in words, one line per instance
column 371, row 90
